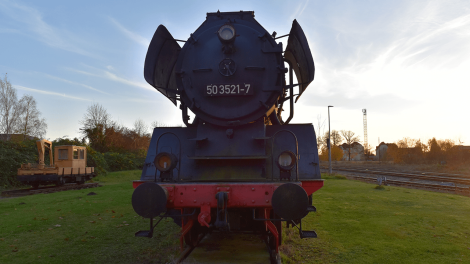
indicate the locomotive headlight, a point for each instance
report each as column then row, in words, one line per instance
column 165, row 161
column 226, row 33
column 286, row 160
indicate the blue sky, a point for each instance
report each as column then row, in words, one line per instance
column 407, row 62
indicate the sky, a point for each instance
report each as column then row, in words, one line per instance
column 406, row 62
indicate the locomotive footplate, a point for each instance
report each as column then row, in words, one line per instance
column 291, row 201
column 239, row 195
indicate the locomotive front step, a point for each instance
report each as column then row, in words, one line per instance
column 144, row 233
column 308, row 234
column 311, row 208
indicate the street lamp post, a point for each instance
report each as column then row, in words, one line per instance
column 329, row 138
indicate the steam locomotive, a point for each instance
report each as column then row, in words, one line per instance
column 237, row 166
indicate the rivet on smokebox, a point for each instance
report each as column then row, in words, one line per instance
column 267, row 201
column 252, row 189
column 195, row 201
column 253, row 201
column 194, row 188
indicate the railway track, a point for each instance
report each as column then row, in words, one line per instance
column 228, row 248
column 429, row 176
column 48, row 189
column 421, row 180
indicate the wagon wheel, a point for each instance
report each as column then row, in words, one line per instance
column 81, row 181
column 60, row 181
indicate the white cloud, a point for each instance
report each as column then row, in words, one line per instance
column 50, row 93
column 113, row 77
column 131, row 35
column 75, row 83
column 29, row 20
column 300, row 9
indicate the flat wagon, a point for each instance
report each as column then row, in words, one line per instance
column 67, row 165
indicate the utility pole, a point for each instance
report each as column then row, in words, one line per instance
column 329, row 138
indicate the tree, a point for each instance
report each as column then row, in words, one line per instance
column 321, row 124
column 29, row 121
column 140, row 127
column 158, row 124
column 19, row 116
column 96, row 124
column 406, row 142
column 350, row 138
column 10, row 109
column 105, row 135
column 96, row 115
column 367, row 151
column 336, row 153
column 435, row 151
column 336, row 138
column 141, row 135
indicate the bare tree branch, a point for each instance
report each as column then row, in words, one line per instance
column 95, row 116
column 350, row 138
column 321, row 124
column 10, row 109
column 158, row 124
column 336, row 138
column 140, row 128
column 30, row 122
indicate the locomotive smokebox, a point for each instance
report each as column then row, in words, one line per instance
column 149, row 200
column 290, row 201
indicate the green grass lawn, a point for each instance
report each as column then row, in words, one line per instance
column 72, row 227
column 355, row 222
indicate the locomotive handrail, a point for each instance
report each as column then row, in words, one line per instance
column 282, row 36
column 291, row 100
column 296, row 151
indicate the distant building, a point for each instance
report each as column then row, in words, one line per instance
column 462, row 147
column 381, row 151
column 357, row 151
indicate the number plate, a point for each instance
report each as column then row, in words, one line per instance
column 228, row 89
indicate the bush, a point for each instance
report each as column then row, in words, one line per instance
column 124, row 161
column 12, row 155
column 336, row 153
column 97, row 160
